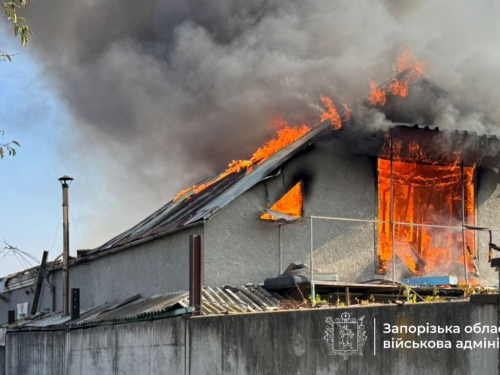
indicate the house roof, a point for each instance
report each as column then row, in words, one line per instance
column 196, row 208
column 193, row 209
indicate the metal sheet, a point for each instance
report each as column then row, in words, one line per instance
column 226, row 300
column 195, row 207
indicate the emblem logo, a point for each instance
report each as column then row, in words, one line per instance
column 345, row 336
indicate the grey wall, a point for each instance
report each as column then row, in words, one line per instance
column 15, row 297
column 288, row 342
column 156, row 267
column 241, row 248
column 488, row 201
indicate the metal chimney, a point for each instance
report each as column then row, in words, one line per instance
column 65, row 182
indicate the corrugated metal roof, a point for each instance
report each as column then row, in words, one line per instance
column 446, row 130
column 195, row 208
column 226, row 300
column 198, row 207
column 25, row 278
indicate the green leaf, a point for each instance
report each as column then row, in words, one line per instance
column 16, row 143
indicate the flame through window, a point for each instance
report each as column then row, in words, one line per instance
column 429, row 194
column 290, row 204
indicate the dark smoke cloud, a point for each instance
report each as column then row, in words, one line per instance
column 168, row 92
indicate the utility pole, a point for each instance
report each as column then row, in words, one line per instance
column 65, row 182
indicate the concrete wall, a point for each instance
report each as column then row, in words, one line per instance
column 156, row 267
column 488, row 202
column 15, row 297
column 241, row 248
column 266, row 343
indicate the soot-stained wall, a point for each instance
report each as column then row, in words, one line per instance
column 337, row 183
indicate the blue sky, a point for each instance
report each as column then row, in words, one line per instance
column 32, row 114
column 105, row 199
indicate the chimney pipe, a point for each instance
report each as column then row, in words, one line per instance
column 65, row 182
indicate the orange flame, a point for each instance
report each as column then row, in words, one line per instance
column 399, row 88
column 377, row 95
column 330, row 113
column 290, row 204
column 425, row 194
column 286, row 136
column 405, row 62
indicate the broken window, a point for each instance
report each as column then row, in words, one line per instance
column 429, row 201
column 288, row 207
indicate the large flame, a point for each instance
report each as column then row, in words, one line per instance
column 405, row 63
column 429, row 193
column 377, row 95
column 285, row 136
column 331, row 113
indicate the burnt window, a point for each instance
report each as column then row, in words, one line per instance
column 288, row 207
column 429, row 201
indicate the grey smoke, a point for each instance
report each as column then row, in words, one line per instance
column 168, row 92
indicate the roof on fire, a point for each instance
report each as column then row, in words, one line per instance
column 196, row 208
column 192, row 209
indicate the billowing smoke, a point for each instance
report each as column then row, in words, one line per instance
column 168, row 92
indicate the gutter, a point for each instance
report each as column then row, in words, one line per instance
column 52, row 291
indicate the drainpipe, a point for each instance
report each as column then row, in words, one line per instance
column 52, row 292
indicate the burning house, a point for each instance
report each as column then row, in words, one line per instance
column 401, row 201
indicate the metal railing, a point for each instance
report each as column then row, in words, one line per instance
column 462, row 228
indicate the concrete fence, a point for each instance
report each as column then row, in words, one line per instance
column 287, row 342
